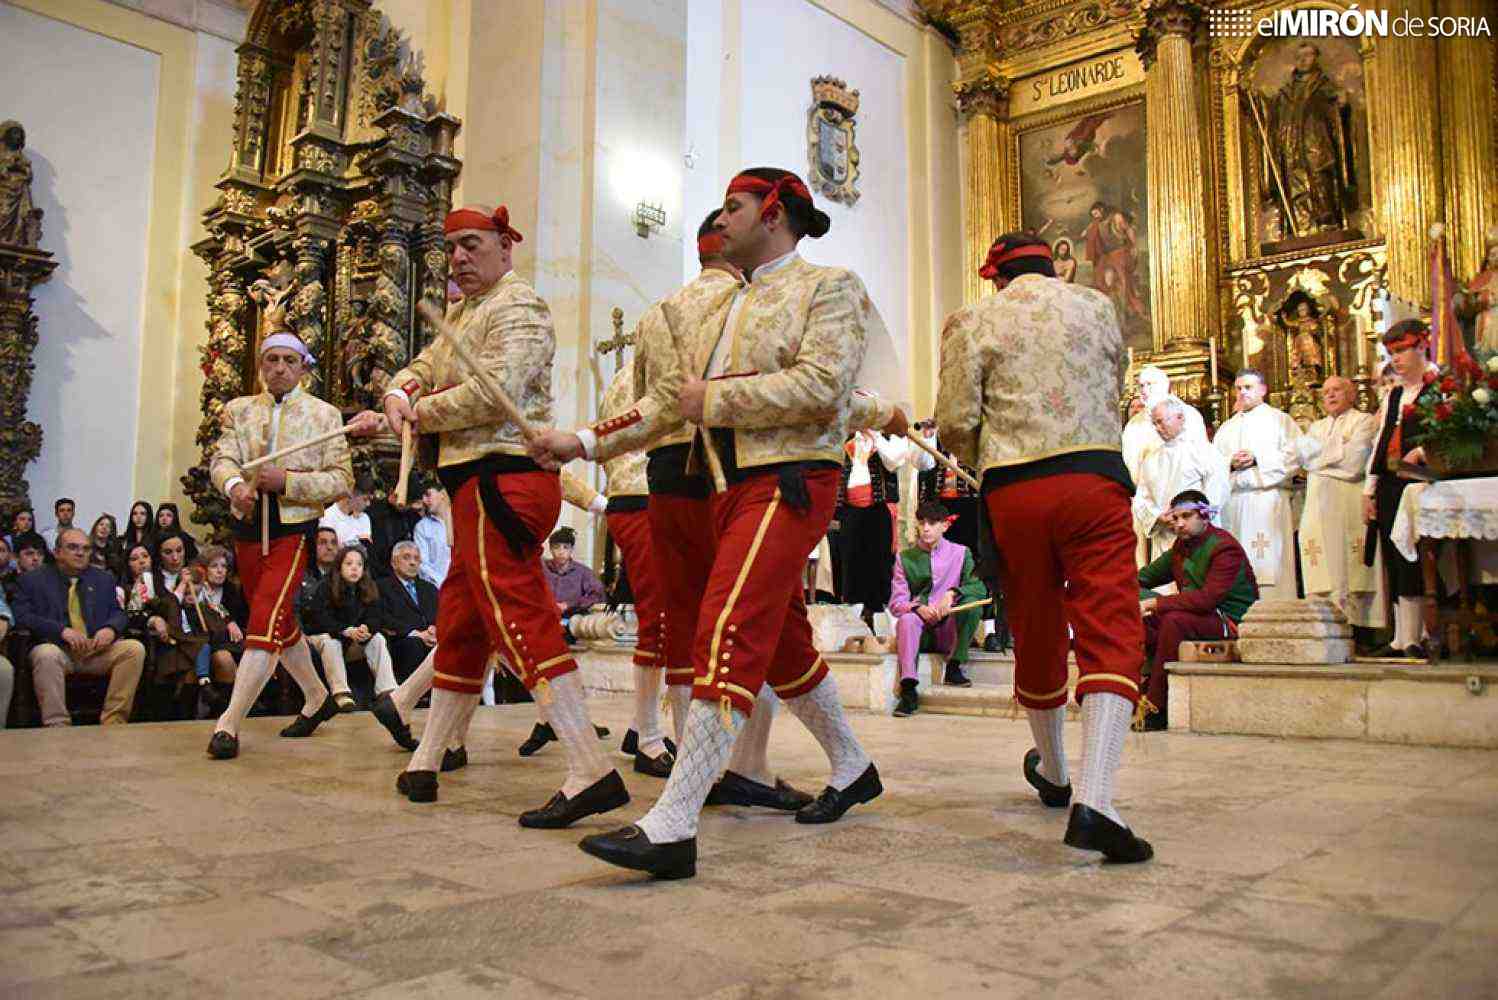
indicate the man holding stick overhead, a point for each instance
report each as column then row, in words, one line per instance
column 1030, row 381
column 495, row 597
column 274, row 505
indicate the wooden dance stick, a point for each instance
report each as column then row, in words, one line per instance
column 970, row 605
column 915, row 439
column 408, row 455
column 280, row 453
column 492, row 388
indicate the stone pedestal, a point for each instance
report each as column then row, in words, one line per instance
column 1309, row 631
column 834, row 624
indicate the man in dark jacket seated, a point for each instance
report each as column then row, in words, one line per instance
column 1215, row 587
column 72, row 610
column 408, row 610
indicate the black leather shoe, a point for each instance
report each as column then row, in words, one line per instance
column 629, row 847
column 345, row 702
column 1090, row 830
column 631, row 744
column 604, row 794
column 389, row 716
column 831, row 804
column 656, row 767
column 736, row 790
column 541, row 735
column 1054, row 796
column 454, row 759
column 306, row 725
column 1155, row 722
column 602, row 731
column 418, row 786
column 223, row 746
column 910, row 701
column 1416, row 653
column 955, row 677
column 991, row 643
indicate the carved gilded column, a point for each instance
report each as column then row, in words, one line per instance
column 1469, row 105
column 1406, row 150
column 1181, row 290
column 21, row 269
column 988, row 169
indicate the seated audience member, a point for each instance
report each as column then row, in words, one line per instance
column 30, row 554
column 324, row 554
column 71, row 609
column 107, row 553
column 7, row 669
column 140, row 526
column 931, row 578
column 1215, row 587
column 343, row 622
column 22, row 523
column 8, row 571
column 169, row 522
column 154, row 618
column 430, row 536
column 349, row 516
column 408, row 610
column 171, row 560
column 389, row 525
column 64, row 509
column 225, row 613
column 574, row 586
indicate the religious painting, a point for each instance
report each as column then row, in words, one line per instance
column 1306, row 118
column 1083, row 189
column 831, row 149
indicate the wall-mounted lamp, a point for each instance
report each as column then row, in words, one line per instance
column 648, row 217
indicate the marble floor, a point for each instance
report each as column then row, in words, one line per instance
column 132, row 865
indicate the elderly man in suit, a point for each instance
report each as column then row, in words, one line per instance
column 72, row 609
column 409, row 606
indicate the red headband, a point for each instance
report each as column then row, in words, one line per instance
column 998, row 255
column 710, row 245
column 1418, row 338
column 467, row 218
column 748, row 183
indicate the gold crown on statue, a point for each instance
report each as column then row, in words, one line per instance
column 831, row 91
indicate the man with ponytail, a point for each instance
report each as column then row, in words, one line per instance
column 1029, row 394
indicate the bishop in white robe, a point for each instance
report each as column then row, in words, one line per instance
column 1334, row 453
column 1260, row 446
column 1139, row 434
column 1178, row 463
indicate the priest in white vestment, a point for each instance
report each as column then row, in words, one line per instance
column 1139, row 434
column 1334, row 452
column 1259, row 443
column 1177, row 464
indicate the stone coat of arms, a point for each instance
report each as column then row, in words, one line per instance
column 830, row 140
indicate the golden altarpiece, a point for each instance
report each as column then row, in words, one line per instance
column 330, row 218
column 1245, row 200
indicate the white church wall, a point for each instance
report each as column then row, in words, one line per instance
column 89, row 107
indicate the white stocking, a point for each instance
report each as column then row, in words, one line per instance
column 568, row 713
column 297, row 660
column 751, row 753
column 459, row 735
column 412, row 688
column 700, row 757
column 648, row 710
column 1045, row 727
column 449, row 709
column 1105, row 723
column 1409, row 622
column 821, row 711
column 255, row 668
column 680, row 697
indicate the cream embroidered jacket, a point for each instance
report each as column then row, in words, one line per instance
column 625, row 471
column 508, row 330
column 315, row 476
column 1030, row 372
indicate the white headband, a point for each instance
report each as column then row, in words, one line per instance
column 288, row 340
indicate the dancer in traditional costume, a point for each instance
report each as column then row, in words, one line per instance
column 495, row 597
column 1030, row 381
column 296, row 490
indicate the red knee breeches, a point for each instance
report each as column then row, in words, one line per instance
column 495, row 599
column 751, row 590
column 631, row 532
column 681, row 530
column 270, row 585
column 1067, row 547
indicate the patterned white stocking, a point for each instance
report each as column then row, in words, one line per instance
column 751, row 753
column 680, row 698
column 1045, row 727
column 821, row 711
column 568, row 715
column 297, row 659
column 449, row 710
column 412, row 688
column 700, row 757
column 1105, row 723
column 255, row 668
column 648, row 710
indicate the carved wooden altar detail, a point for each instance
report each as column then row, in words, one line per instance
column 329, row 221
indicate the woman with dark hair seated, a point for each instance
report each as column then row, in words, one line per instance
column 140, row 526
column 169, row 522
column 108, row 553
column 216, row 614
column 23, row 529
column 342, row 622
column 154, row 617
